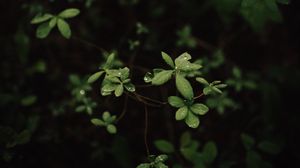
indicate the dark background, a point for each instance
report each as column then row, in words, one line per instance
column 64, row 138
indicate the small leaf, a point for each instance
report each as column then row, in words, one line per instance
column 97, row 122
column 183, row 57
column 236, row 72
column 162, row 158
column 215, row 89
column 164, row 146
column 160, row 165
column 181, row 113
column 175, row 101
column 209, row 152
column 129, row 87
column 109, row 61
column 28, row 100
column 64, row 28
column 119, row 90
column 53, row 22
column 185, row 139
column 69, row 13
column 95, row 76
column 269, row 147
column 80, row 108
column 106, row 116
column 167, row 59
column 143, row 165
column 191, row 120
column 199, row 108
column 111, row 129
column 162, row 77
column 41, row 18
column 220, row 86
column 247, row 140
column 43, row 30
column 184, row 87
column 202, row 81
column 124, row 73
column 109, row 87
column 207, row 90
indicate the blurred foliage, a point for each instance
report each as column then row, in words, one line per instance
column 49, row 107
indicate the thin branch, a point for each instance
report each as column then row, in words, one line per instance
column 150, row 99
column 200, row 95
column 139, row 99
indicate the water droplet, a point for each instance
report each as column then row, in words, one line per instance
column 148, row 77
column 130, row 87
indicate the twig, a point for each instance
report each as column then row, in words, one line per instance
column 200, row 95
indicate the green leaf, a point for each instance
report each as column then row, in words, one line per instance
column 183, row 57
column 167, row 59
column 109, row 61
column 28, row 100
column 95, row 76
column 191, row 120
column 64, row 28
column 41, row 18
column 162, row 158
column 209, row 152
column 164, row 146
column 190, row 151
column 143, row 165
column 124, row 73
column 80, row 108
column 53, row 22
column 130, row 87
column 119, row 90
column 215, row 89
column 97, row 122
column 236, row 72
column 220, row 86
column 43, row 30
column 106, row 116
column 185, row 139
column 269, row 147
column 202, row 81
column 162, row 77
column 181, row 113
column 69, row 13
column 175, row 101
column 109, row 87
column 199, row 108
column 207, row 90
column 184, row 87
column 111, row 129
column 160, row 165
column 247, row 140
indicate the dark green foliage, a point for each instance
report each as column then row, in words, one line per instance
column 225, row 67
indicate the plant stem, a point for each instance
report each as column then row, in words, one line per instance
column 200, row 95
